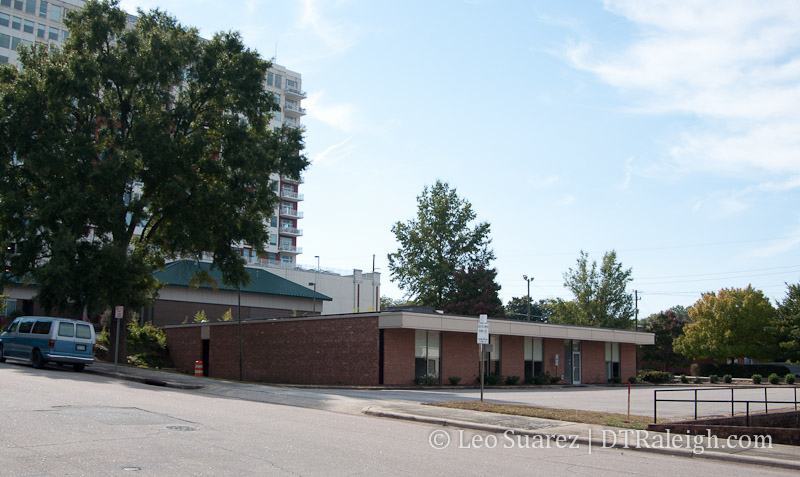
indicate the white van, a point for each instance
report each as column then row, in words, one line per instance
column 42, row 339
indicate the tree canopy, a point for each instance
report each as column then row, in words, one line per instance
column 734, row 323
column 667, row 326
column 132, row 146
column 435, row 245
column 517, row 309
column 475, row 293
column 788, row 323
column 600, row 295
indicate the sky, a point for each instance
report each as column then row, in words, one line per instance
column 668, row 131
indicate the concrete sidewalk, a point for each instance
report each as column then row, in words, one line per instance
column 538, row 430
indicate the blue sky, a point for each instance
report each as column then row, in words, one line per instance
column 665, row 130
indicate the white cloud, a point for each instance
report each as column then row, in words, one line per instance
column 338, row 37
column 333, row 154
column 340, row 116
column 566, row 200
column 628, row 173
column 779, row 246
column 734, row 64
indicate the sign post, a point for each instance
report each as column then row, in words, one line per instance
column 118, row 312
column 483, row 338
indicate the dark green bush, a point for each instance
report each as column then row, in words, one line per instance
column 727, row 378
column 147, row 345
column 774, row 379
column 698, row 380
column 454, row 380
column 738, row 370
column 756, row 379
column 654, row 376
column 684, row 379
column 431, row 380
column 789, row 378
column 632, row 379
column 615, row 380
column 714, row 379
column 492, row 379
column 419, row 380
column 512, row 380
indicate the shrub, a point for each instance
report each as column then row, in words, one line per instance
column 714, row 379
column 553, row 379
column 684, row 379
column 774, row 379
column 727, row 378
column 454, row 380
column 538, row 379
column 698, row 380
column 147, row 345
column 789, row 378
column 738, row 370
column 615, row 380
column 654, row 376
column 512, row 380
column 756, row 379
column 492, row 379
column 632, row 379
column 431, row 381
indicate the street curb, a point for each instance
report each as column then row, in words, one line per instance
column 679, row 452
column 143, row 380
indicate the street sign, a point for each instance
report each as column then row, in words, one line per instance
column 483, row 330
column 118, row 310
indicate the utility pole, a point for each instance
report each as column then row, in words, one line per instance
column 529, row 280
column 636, row 315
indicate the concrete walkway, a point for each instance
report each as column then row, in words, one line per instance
column 522, row 429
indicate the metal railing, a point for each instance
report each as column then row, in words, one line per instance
column 733, row 401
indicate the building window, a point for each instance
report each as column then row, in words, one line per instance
column 286, row 259
column 16, row 23
column 15, row 42
column 28, row 26
column 5, row 3
column 18, row 4
column 53, row 34
column 40, row 31
column 286, row 243
column 534, row 353
column 273, row 239
column 271, row 257
column 285, row 223
column 273, row 221
column 278, row 80
column 5, row 40
column 55, row 13
column 30, row 6
column 612, row 361
column 64, row 35
column 291, row 104
column 4, row 19
column 270, row 78
column 493, row 358
column 43, row 9
column 427, row 357
column 3, row 59
column 291, row 85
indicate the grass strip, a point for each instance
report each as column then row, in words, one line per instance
column 569, row 415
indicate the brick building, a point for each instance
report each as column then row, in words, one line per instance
column 395, row 347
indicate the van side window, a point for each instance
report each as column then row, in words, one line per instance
column 25, row 326
column 66, row 329
column 84, row 332
column 42, row 327
column 13, row 327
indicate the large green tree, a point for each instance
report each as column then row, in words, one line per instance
column 787, row 325
column 667, row 326
column 517, row 309
column 436, row 244
column 600, row 294
column 130, row 147
column 734, row 323
column 475, row 293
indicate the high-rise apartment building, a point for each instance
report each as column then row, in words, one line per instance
column 41, row 22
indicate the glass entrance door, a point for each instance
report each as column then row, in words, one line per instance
column 576, row 367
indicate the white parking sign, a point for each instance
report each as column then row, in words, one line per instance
column 483, row 330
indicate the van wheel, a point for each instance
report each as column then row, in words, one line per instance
column 37, row 360
column 2, row 355
column 78, row 367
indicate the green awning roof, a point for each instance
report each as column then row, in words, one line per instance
column 179, row 274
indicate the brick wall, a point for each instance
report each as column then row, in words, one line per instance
column 398, row 356
column 460, row 357
column 782, row 426
column 627, row 361
column 313, row 351
column 512, row 356
column 551, row 348
column 593, row 362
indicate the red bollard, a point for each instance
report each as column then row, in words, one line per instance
column 198, row 368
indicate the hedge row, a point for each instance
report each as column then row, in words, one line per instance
column 738, row 370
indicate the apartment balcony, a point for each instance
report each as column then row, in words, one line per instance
column 289, row 249
column 289, row 180
column 291, row 195
column 291, row 213
column 295, row 111
column 294, row 93
column 291, row 231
